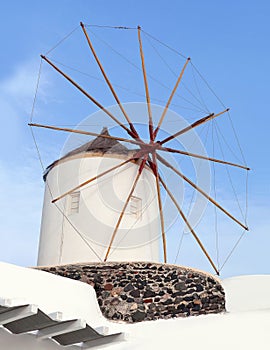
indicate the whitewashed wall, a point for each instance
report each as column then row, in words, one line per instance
column 100, row 205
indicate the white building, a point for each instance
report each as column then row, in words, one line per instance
column 79, row 227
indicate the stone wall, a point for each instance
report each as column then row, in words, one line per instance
column 138, row 291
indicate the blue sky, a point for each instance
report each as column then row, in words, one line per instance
column 227, row 41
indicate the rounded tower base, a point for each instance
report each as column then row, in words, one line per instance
column 140, row 291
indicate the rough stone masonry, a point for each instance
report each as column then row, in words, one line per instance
column 140, row 291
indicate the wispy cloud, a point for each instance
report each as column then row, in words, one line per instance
column 20, row 212
column 20, row 86
column 20, row 174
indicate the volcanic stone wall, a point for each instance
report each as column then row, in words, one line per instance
column 140, row 291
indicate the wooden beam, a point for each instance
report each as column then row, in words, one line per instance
column 61, row 328
column 17, row 313
column 92, row 179
column 172, row 150
column 108, row 82
column 162, row 160
column 151, row 132
column 87, row 95
column 170, row 98
column 83, row 132
column 194, row 125
column 125, row 206
column 160, row 208
column 188, row 225
column 103, row 341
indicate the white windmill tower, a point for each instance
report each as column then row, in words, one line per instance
column 79, row 226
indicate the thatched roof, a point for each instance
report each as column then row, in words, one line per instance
column 99, row 144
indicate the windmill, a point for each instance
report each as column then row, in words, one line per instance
column 148, row 153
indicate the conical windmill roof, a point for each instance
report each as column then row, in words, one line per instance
column 98, row 145
column 101, row 144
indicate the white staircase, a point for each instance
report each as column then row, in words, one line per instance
column 28, row 318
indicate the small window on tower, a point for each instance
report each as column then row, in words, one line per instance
column 135, row 207
column 74, row 203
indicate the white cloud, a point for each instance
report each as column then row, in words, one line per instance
column 20, row 211
column 20, row 173
column 19, row 88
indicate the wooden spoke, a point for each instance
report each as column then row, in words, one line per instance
column 125, row 207
column 160, row 209
column 188, row 225
column 86, row 133
column 92, row 179
column 171, row 150
column 88, row 95
column 146, row 87
column 162, row 160
column 108, row 81
column 194, row 125
column 170, row 98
